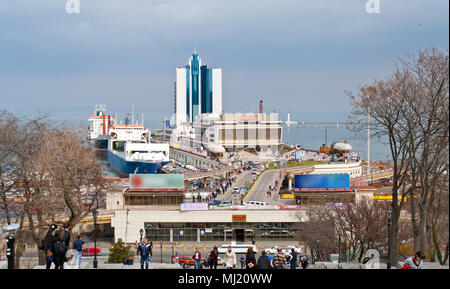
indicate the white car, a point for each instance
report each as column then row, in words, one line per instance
column 255, row 203
column 273, row 250
column 235, row 190
column 236, row 248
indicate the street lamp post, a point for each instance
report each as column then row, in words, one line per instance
column 160, row 244
column 339, row 238
column 317, row 249
column 95, row 215
column 141, row 231
column 388, row 215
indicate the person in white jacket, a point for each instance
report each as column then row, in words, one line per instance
column 230, row 258
column 415, row 262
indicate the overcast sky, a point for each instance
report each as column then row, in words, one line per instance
column 295, row 55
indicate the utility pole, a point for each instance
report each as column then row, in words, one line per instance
column 369, row 172
column 126, row 228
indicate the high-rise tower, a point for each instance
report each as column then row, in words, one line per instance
column 197, row 89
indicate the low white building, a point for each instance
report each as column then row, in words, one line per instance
column 203, row 226
column 353, row 169
column 232, row 131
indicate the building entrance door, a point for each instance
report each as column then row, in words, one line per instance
column 239, row 235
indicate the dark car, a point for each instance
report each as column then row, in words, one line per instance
column 215, row 203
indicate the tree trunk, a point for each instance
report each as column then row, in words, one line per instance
column 415, row 228
column 422, row 228
column 394, row 236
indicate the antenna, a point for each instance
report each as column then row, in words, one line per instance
column 132, row 114
column 142, row 118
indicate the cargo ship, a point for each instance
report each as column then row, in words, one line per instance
column 99, row 126
column 131, row 152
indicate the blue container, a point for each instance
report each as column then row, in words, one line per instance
column 322, row 181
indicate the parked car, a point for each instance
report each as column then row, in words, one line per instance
column 256, row 203
column 186, row 261
column 237, row 248
column 89, row 251
column 278, row 233
column 215, row 203
column 273, row 250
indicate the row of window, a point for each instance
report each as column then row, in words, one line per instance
column 153, row 199
column 223, row 232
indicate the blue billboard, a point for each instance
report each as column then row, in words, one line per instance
column 322, row 181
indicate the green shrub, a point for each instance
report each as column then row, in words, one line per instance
column 118, row 252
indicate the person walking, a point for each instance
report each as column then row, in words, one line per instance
column 77, row 246
column 250, row 259
column 47, row 243
column 242, row 259
column 60, row 244
column 145, row 251
column 293, row 259
column 279, row 261
column 414, row 262
column 263, row 262
column 213, row 258
column 230, row 259
column 304, row 262
column 197, row 258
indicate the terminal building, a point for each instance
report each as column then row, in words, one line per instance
column 155, row 203
column 234, row 131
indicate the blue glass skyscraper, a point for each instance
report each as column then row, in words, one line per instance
column 198, row 89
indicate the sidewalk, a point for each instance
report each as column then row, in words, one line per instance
column 136, row 265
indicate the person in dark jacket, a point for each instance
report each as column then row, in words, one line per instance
column 213, row 258
column 48, row 246
column 77, row 246
column 250, row 259
column 263, row 262
column 145, row 251
column 304, row 262
column 60, row 243
column 293, row 259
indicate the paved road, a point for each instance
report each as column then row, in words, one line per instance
column 259, row 190
column 241, row 180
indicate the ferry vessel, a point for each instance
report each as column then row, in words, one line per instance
column 130, row 151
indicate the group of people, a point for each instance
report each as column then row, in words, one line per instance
column 279, row 261
column 56, row 244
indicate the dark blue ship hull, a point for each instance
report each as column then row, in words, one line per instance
column 124, row 168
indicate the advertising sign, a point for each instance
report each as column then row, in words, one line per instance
column 194, row 207
column 322, row 181
column 239, row 218
column 157, row 181
column 287, row 196
column 236, row 199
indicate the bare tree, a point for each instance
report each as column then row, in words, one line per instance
column 410, row 109
column 359, row 226
column 57, row 171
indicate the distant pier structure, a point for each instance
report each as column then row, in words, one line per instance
column 289, row 121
